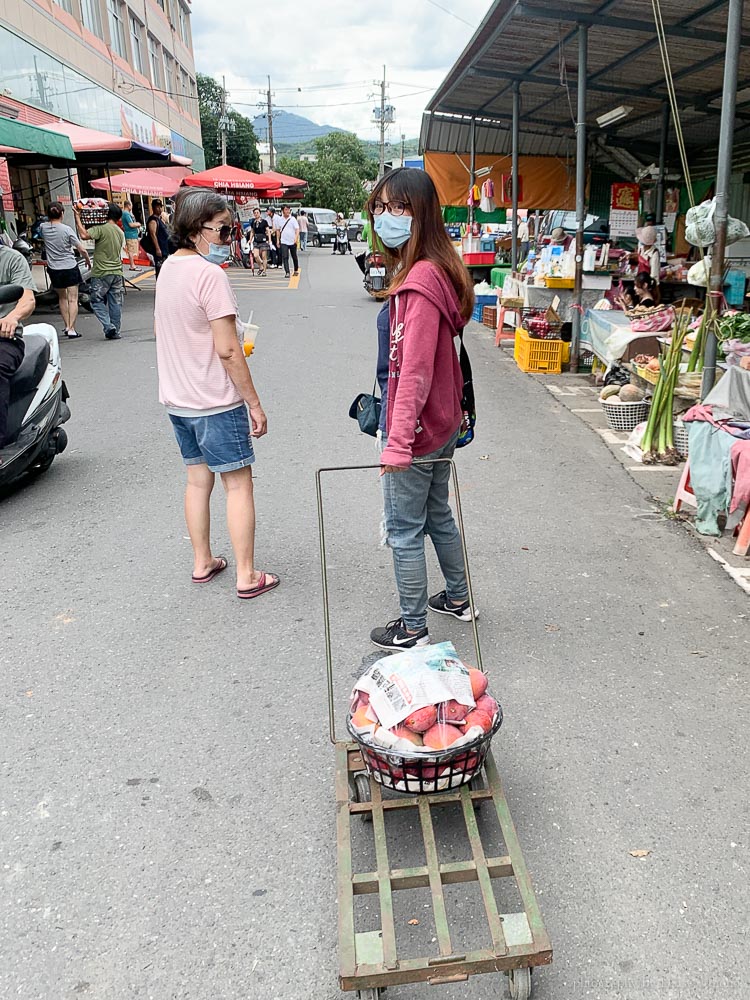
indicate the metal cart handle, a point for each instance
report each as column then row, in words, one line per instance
column 324, row 571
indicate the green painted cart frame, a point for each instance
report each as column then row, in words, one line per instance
column 368, row 960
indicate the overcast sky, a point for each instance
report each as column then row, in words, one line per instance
column 334, row 50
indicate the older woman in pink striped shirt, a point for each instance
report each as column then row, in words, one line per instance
column 206, row 386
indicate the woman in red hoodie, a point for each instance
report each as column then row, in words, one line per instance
column 430, row 300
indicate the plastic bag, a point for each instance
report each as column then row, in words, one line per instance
column 700, row 273
column 404, row 682
column 658, row 321
column 699, row 224
column 700, row 229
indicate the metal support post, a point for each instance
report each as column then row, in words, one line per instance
column 514, row 176
column 723, row 175
column 665, row 112
column 472, row 165
column 583, row 39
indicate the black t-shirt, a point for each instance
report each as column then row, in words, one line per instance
column 162, row 235
column 260, row 229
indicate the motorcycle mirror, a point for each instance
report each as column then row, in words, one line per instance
column 10, row 293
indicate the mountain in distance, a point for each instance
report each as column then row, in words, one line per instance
column 290, row 129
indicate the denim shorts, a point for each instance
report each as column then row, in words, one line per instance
column 220, row 440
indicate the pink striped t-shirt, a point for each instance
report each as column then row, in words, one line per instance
column 190, row 293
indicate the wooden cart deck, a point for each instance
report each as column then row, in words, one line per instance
column 369, row 960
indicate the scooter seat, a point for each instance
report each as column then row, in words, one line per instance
column 30, row 371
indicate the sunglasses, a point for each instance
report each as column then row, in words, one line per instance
column 394, row 207
column 224, row 232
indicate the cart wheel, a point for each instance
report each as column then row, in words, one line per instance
column 519, row 981
column 478, row 784
column 362, row 794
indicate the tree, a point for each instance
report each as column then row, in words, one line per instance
column 332, row 184
column 346, row 149
column 242, row 143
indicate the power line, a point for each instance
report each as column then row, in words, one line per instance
column 451, row 13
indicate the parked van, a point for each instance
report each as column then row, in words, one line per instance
column 321, row 228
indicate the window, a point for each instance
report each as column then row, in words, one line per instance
column 116, row 28
column 66, row 5
column 169, row 74
column 91, row 16
column 184, row 27
column 157, row 73
column 136, row 43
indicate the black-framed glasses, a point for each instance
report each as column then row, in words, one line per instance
column 394, row 207
column 225, row 232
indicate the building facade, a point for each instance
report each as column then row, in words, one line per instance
column 121, row 67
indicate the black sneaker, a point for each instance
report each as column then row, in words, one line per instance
column 112, row 334
column 395, row 636
column 443, row 606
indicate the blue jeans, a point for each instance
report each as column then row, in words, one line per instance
column 416, row 504
column 107, row 293
column 219, row 440
column 303, row 241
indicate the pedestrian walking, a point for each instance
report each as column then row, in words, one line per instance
column 430, row 301
column 259, row 230
column 206, row 386
column 107, row 281
column 132, row 232
column 156, row 240
column 14, row 270
column 274, row 252
column 60, row 242
column 287, row 228
column 303, row 229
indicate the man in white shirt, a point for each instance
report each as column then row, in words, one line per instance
column 523, row 239
column 287, row 227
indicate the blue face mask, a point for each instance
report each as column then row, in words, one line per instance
column 393, row 230
column 218, row 253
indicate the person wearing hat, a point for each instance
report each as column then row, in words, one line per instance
column 649, row 258
column 559, row 238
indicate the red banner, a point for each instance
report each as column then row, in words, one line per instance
column 625, row 197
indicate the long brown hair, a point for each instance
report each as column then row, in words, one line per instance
column 428, row 240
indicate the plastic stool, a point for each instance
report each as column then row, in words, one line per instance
column 684, row 492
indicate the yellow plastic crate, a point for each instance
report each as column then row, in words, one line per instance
column 552, row 282
column 532, row 355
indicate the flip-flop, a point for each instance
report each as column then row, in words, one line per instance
column 268, row 581
column 220, row 566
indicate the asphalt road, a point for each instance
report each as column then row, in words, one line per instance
column 167, row 821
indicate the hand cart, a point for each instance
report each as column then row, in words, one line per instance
column 369, row 960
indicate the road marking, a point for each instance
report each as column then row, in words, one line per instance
column 611, row 437
column 294, row 281
column 740, row 576
column 140, row 277
column 597, row 409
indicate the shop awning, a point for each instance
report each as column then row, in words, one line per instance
column 147, row 182
column 95, row 148
column 226, row 178
column 17, row 138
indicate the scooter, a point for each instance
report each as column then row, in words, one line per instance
column 38, row 402
column 376, row 276
column 341, row 239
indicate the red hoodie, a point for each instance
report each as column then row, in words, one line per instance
column 425, row 384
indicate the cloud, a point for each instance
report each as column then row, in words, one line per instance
column 326, row 56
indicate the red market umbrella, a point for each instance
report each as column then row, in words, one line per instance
column 226, row 178
column 284, row 180
column 148, row 182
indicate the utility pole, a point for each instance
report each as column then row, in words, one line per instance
column 383, row 115
column 223, row 121
column 381, row 169
column 403, row 141
column 271, row 158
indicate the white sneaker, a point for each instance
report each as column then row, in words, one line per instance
column 73, row 334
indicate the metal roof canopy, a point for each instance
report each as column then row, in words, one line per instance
column 523, row 51
column 535, row 47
